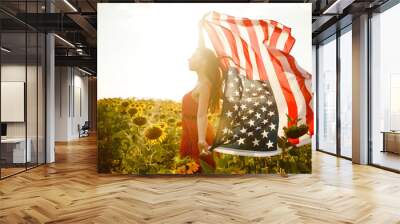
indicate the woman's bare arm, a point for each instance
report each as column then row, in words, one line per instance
column 202, row 109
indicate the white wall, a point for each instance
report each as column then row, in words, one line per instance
column 71, row 102
column 80, row 103
column 62, row 81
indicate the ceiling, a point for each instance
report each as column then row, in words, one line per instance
column 75, row 22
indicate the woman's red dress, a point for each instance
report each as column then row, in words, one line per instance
column 189, row 138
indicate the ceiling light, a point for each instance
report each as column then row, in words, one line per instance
column 79, row 51
column 84, row 71
column 64, row 40
column 70, row 5
column 338, row 6
column 5, row 50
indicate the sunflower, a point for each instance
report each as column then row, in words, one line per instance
column 180, row 170
column 193, row 167
column 162, row 125
column 171, row 120
column 140, row 121
column 179, row 123
column 155, row 134
column 125, row 104
column 123, row 112
column 132, row 111
column 155, row 116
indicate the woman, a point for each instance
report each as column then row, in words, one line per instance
column 197, row 133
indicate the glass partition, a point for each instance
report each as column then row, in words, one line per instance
column 14, row 151
column 346, row 93
column 22, row 78
column 327, row 96
column 31, row 98
column 385, row 89
column 41, row 91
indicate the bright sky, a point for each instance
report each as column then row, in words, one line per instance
column 143, row 48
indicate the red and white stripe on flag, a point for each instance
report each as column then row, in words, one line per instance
column 261, row 48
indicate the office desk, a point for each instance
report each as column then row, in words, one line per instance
column 13, row 150
column 391, row 141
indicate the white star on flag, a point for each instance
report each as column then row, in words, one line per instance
column 264, row 134
column 255, row 142
column 241, row 141
column 251, row 123
column 270, row 144
column 272, row 126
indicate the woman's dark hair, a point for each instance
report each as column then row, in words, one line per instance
column 214, row 72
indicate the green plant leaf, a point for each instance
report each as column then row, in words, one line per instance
column 206, row 169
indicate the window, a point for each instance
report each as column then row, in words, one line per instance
column 327, row 96
column 346, row 93
column 385, row 89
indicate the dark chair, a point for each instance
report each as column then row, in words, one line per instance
column 84, row 130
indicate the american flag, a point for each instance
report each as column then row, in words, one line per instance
column 249, row 118
column 260, row 51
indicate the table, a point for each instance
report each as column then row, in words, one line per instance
column 13, row 150
column 391, row 141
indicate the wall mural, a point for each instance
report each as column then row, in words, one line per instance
column 204, row 89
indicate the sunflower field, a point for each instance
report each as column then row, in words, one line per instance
column 143, row 137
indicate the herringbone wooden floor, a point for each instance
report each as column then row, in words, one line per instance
column 70, row 191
